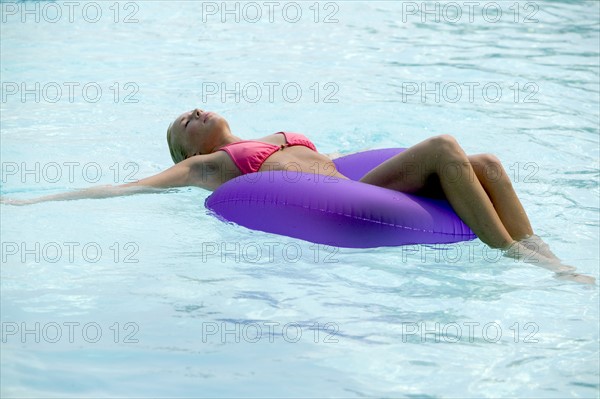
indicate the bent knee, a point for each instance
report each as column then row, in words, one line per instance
column 445, row 147
column 488, row 166
column 489, row 160
column 444, row 139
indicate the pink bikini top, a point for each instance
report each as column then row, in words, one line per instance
column 249, row 155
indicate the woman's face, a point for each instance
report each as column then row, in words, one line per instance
column 195, row 129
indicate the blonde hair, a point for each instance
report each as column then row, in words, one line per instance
column 177, row 152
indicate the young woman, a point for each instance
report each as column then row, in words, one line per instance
column 207, row 154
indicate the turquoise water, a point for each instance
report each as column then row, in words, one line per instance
column 148, row 296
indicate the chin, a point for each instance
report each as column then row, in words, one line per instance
column 219, row 121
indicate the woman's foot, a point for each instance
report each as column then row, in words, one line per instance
column 535, row 243
column 576, row 277
column 562, row 272
column 528, row 254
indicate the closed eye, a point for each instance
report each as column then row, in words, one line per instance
column 188, row 121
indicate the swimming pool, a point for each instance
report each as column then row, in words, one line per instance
column 149, row 296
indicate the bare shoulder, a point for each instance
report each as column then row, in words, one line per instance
column 211, row 170
column 215, row 157
column 205, row 171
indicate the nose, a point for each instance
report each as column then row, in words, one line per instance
column 197, row 112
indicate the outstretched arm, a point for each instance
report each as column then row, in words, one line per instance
column 93, row 192
column 196, row 171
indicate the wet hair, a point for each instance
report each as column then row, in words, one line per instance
column 178, row 154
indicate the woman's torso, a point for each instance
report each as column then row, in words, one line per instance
column 293, row 159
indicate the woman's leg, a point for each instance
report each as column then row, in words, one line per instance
column 497, row 185
column 443, row 159
column 438, row 167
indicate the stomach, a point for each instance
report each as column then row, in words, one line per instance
column 300, row 159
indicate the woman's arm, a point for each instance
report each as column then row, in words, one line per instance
column 93, row 192
column 200, row 171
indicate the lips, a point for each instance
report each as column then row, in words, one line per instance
column 207, row 116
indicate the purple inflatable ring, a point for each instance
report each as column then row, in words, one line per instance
column 337, row 212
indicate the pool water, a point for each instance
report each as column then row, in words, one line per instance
column 150, row 296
